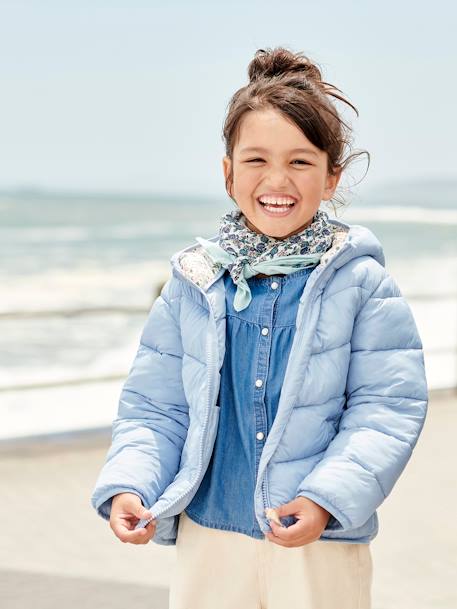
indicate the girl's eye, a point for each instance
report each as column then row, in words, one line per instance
column 296, row 160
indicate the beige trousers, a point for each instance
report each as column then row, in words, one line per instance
column 218, row 569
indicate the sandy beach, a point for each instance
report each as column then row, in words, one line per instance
column 55, row 550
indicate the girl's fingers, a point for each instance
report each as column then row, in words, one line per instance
column 148, row 534
column 133, row 536
column 124, row 528
column 141, row 535
column 127, row 523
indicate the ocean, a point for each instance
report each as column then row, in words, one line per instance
column 79, row 273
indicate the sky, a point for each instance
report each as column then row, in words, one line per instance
column 131, row 96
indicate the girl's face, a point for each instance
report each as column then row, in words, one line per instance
column 273, row 159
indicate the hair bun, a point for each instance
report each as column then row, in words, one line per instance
column 270, row 63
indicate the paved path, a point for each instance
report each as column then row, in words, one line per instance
column 55, row 551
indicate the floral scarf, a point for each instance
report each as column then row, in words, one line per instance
column 246, row 253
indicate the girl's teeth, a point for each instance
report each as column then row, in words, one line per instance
column 276, row 202
column 277, row 208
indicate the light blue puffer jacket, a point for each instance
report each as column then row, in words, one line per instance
column 352, row 406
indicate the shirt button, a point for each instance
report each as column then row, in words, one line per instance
column 259, row 383
column 264, row 331
column 274, row 285
column 260, row 435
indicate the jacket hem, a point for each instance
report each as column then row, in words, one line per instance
column 365, row 540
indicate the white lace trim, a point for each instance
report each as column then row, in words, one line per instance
column 339, row 237
column 198, row 266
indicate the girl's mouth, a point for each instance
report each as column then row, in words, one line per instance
column 274, row 210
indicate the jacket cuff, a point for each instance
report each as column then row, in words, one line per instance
column 337, row 521
column 102, row 504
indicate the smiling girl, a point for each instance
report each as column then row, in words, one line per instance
column 279, row 387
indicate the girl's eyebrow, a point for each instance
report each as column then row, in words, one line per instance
column 257, row 149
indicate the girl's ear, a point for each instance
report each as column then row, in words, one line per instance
column 226, row 164
column 331, row 183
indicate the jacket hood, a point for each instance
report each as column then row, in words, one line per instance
column 196, row 265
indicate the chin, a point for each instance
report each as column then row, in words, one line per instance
column 273, row 228
column 277, row 227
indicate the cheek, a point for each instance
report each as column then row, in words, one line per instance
column 311, row 182
column 244, row 181
column 312, row 190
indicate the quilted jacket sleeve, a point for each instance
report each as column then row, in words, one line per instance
column 149, row 431
column 385, row 410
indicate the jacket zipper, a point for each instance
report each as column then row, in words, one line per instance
column 265, row 495
column 309, row 304
column 211, row 360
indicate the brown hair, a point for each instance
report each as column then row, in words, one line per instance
column 292, row 84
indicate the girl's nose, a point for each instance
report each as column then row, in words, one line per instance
column 277, row 181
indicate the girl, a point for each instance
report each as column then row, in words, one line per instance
column 279, row 386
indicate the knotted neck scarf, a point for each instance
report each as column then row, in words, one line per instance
column 246, row 253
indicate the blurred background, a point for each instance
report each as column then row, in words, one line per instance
column 111, row 160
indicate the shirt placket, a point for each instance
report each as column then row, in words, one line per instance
column 266, row 326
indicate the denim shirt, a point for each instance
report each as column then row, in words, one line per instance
column 258, row 342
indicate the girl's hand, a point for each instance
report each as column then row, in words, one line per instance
column 312, row 520
column 126, row 511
